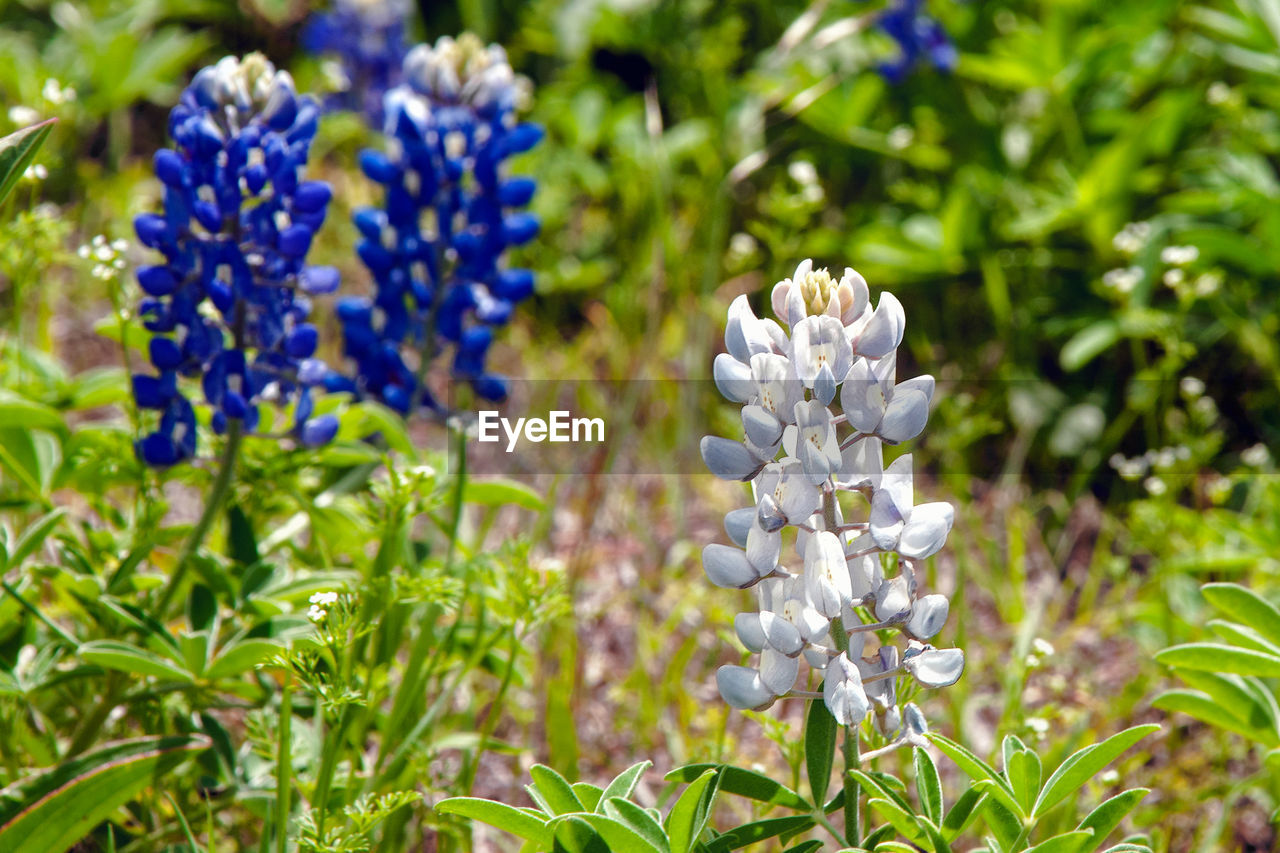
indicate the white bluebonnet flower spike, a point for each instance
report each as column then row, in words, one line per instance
column 828, row 603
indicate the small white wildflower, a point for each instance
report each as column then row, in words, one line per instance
column 1109, row 777
column 23, row 116
column 1218, row 93
column 1132, row 237
column 1173, row 278
column 742, row 245
column 35, row 172
column 316, row 614
column 325, row 599
column 1179, row 256
column 1208, row 283
column 1039, row 726
column 1123, row 279
column 55, row 93
column 1132, row 469
column 1220, row 488
column 1256, row 456
column 1155, row 486
column 120, row 245
column 1191, row 386
column 1042, row 647
column 802, row 172
column 901, row 137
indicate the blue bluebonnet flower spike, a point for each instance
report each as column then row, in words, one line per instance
column 228, row 304
column 435, row 247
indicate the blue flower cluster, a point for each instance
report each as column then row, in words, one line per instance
column 434, row 248
column 229, row 304
column 919, row 37
column 368, row 37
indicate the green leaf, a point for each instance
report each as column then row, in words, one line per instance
column 17, row 150
column 979, row 770
column 819, row 749
column 638, row 819
column 500, row 815
column 1023, row 771
column 121, row 656
column 1068, row 842
column 241, row 658
column 17, row 411
column 744, row 783
column 928, row 786
column 1247, row 606
column 689, row 815
column 625, row 782
column 33, row 537
column 1243, row 697
column 241, row 542
column 99, row 386
column 555, row 790
column 1205, row 708
column 1002, row 820
column 63, row 804
column 502, row 493
column 812, row 846
column 875, row 783
column 620, row 836
column 907, row 824
column 1085, row 764
column 1239, row 635
column 1107, row 816
column 966, row 809
column 1218, row 657
column 1089, row 343
column 572, row 834
column 587, row 794
column 760, row 830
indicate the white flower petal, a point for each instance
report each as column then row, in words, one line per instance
column 743, row 688
column 862, row 398
column 826, row 574
column 893, row 599
column 728, row 567
column 763, row 549
column 737, row 523
column 926, row 531
column 842, row 692
column 761, row 426
column 749, row 630
column 780, row 634
column 936, row 667
column 905, row 416
column 733, row 378
column 928, row 615
column 778, row 671
column 883, row 332
column 885, row 523
column 728, row 459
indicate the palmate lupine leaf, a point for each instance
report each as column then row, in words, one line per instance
column 1246, row 606
column 17, row 150
column 55, row 809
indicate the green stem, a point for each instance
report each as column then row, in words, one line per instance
column 840, row 637
column 212, row 507
column 852, row 825
column 458, row 488
column 284, row 767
